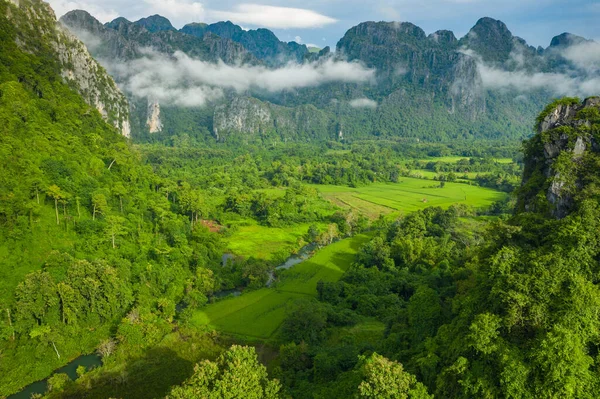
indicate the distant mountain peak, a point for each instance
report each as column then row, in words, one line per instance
column 155, row 23
column 81, row 20
column 491, row 39
column 117, row 23
column 443, row 37
column 195, row 29
column 567, row 39
column 262, row 43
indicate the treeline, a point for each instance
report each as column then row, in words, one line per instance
column 349, row 164
column 405, row 277
column 505, row 312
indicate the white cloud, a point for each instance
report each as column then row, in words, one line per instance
column 585, row 56
column 583, row 81
column 363, row 103
column 184, row 81
column 559, row 84
column 298, row 39
column 61, row 7
column 274, row 17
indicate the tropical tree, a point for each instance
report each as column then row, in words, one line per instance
column 236, row 374
column 115, row 227
column 57, row 194
column 384, row 379
column 99, row 204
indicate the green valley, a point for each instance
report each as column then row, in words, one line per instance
column 258, row 314
column 212, row 212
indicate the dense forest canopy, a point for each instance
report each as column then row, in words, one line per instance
column 156, row 259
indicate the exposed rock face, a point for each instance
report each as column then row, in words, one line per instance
column 84, row 74
column 256, row 120
column 558, row 158
column 153, row 121
column 79, row 70
column 403, row 54
column 244, row 115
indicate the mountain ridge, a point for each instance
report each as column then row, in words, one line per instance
column 436, row 79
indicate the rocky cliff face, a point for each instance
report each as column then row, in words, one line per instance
column 78, row 68
column 257, row 120
column 153, row 121
column 404, row 55
column 561, row 159
column 88, row 78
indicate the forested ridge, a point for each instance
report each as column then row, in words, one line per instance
column 116, row 249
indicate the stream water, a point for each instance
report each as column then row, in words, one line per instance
column 303, row 254
column 88, row 361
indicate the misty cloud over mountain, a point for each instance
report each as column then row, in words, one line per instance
column 579, row 74
column 184, row 81
column 384, row 78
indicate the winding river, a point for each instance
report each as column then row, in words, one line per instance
column 90, row 361
column 40, row 387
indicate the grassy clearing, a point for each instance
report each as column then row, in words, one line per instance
column 328, row 265
column 263, row 242
column 258, row 314
column 411, row 194
column 368, row 331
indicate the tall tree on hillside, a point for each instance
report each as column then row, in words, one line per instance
column 100, row 205
column 115, row 228
column 57, row 194
column 119, row 190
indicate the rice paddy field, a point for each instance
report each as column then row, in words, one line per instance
column 258, row 314
column 408, row 195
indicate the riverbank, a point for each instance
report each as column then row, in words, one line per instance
column 258, row 314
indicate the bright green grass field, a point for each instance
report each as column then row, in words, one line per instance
column 411, row 194
column 328, row 265
column 258, row 314
column 263, row 242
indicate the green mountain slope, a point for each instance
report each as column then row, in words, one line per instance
column 82, row 220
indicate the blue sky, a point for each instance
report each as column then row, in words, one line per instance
column 325, row 22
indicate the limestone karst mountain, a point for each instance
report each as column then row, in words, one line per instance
column 77, row 66
column 432, row 87
column 561, row 158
